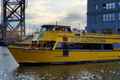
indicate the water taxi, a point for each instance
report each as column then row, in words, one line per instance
column 59, row 44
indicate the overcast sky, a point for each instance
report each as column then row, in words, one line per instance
column 66, row 12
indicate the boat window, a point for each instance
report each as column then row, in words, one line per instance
column 116, row 46
column 85, row 46
column 56, row 28
column 46, row 44
column 107, row 46
column 21, row 45
column 43, row 29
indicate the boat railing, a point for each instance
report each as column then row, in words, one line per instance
column 104, row 35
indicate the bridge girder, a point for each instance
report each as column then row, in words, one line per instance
column 13, row 17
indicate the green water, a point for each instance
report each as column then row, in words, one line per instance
column 99, row 71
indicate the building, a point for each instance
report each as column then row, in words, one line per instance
column 103, row 16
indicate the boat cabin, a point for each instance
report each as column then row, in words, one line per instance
column 52, row 37
column 56, row 28
column 82, row 42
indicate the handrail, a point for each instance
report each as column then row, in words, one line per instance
column 55, row 45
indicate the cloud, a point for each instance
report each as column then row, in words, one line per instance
column 75, row 20
column 50, row 11
column 72, row 17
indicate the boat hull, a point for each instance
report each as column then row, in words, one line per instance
column 57, row 57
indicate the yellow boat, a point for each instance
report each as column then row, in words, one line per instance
column 58, row 44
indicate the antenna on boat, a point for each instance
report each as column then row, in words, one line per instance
column 79, row 24
column 56, row 23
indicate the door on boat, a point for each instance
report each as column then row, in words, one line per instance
column 65, row 47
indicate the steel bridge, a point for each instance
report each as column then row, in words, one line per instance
column 13, row 19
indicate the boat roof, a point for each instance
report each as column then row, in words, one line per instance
column 55, row 26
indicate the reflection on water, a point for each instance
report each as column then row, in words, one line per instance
column 99, row 71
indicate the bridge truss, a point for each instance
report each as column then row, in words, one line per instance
column 13, row 18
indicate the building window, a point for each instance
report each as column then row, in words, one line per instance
column 109, row 5
column 104, row 17
column 109, row 17
column 119, row 16
column 112, row 5
column 119, row 3
column 96, row 7
column 113, row 17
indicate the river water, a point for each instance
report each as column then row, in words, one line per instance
column 91, row 71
